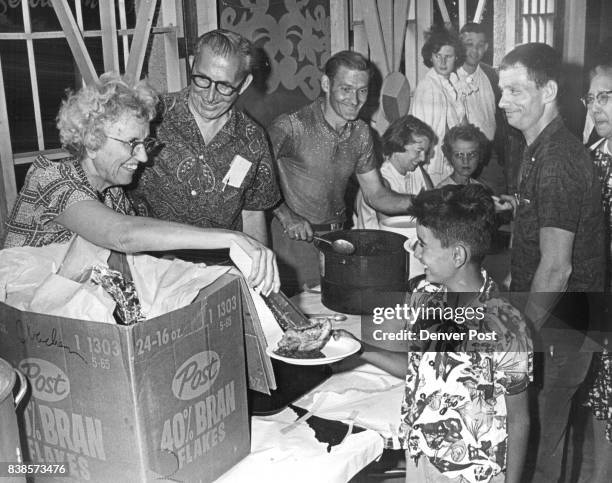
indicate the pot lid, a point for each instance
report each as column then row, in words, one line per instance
column 7, row 379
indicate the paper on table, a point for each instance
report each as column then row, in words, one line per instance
column 373, row 394
column 271, row 329
column 297, row 456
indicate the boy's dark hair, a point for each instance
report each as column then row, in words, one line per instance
column 436, row 39
column 346, row 58
column 402, row 131
column 466, row 132
column 458, row 214
column 543, row 63
column 473, row 27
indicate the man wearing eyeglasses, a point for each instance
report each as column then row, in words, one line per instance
column 215, row 168
column 317, row 149
column 557, row 253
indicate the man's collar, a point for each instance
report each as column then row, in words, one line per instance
column 466, row 73
column 488, row 285
column 320, row 118
column 553, row 126
column 230, row 126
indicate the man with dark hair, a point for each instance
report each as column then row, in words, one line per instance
column 557, row 254
column 482, row 109
column 317, row 149
column 215, row 169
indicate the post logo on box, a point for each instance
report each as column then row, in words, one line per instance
column 196, row 375
column 48, row 381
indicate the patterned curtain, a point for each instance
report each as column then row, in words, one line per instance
column 293, row 40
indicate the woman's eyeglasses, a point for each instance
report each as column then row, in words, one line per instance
column 602, row 98
column 469, row 156
column 149, row 144
column 223, row 88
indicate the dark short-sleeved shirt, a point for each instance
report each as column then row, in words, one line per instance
column 559, row 188
column 49, row 189
column 185, row 181
column 315, row 161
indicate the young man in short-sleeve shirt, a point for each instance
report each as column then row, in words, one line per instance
column 558, row 248
column 317, row 149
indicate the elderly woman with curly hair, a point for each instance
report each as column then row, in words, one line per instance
column 105, row 126
column 439, row 96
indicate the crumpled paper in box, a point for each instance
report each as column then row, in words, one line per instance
column 29, row 280
column 63, row 297
column 166, row 285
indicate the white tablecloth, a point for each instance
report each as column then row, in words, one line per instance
column 282, row 451
column 364, row 395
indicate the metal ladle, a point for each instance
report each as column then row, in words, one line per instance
column 344, row 247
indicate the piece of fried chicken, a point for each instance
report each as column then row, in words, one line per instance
column 305, row 339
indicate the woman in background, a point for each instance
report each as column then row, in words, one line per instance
column 599, row 104
column 438, row 98
column 405, row 145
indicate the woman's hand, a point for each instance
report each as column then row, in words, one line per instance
column 264, row 271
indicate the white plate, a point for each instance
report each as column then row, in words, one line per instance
column 334, row 350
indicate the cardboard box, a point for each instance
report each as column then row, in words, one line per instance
column 164, row 399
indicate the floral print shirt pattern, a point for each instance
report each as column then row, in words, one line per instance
column 603, row 163
column 454, row 410
column 186, row 181
column 49, row 189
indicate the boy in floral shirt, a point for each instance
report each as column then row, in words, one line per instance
column 464, row 417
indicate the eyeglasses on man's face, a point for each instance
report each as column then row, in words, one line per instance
column 223, row 88
column 602, row 98
column 149, row 144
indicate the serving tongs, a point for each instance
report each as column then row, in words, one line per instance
column 286, row 313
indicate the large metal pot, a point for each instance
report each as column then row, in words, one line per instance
column 405, row 225
column 10, row 448
column 375, row 275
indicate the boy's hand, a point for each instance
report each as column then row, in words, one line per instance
column 504, row 203
column 337, row 333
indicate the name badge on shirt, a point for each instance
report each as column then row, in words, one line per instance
column 237, row 171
